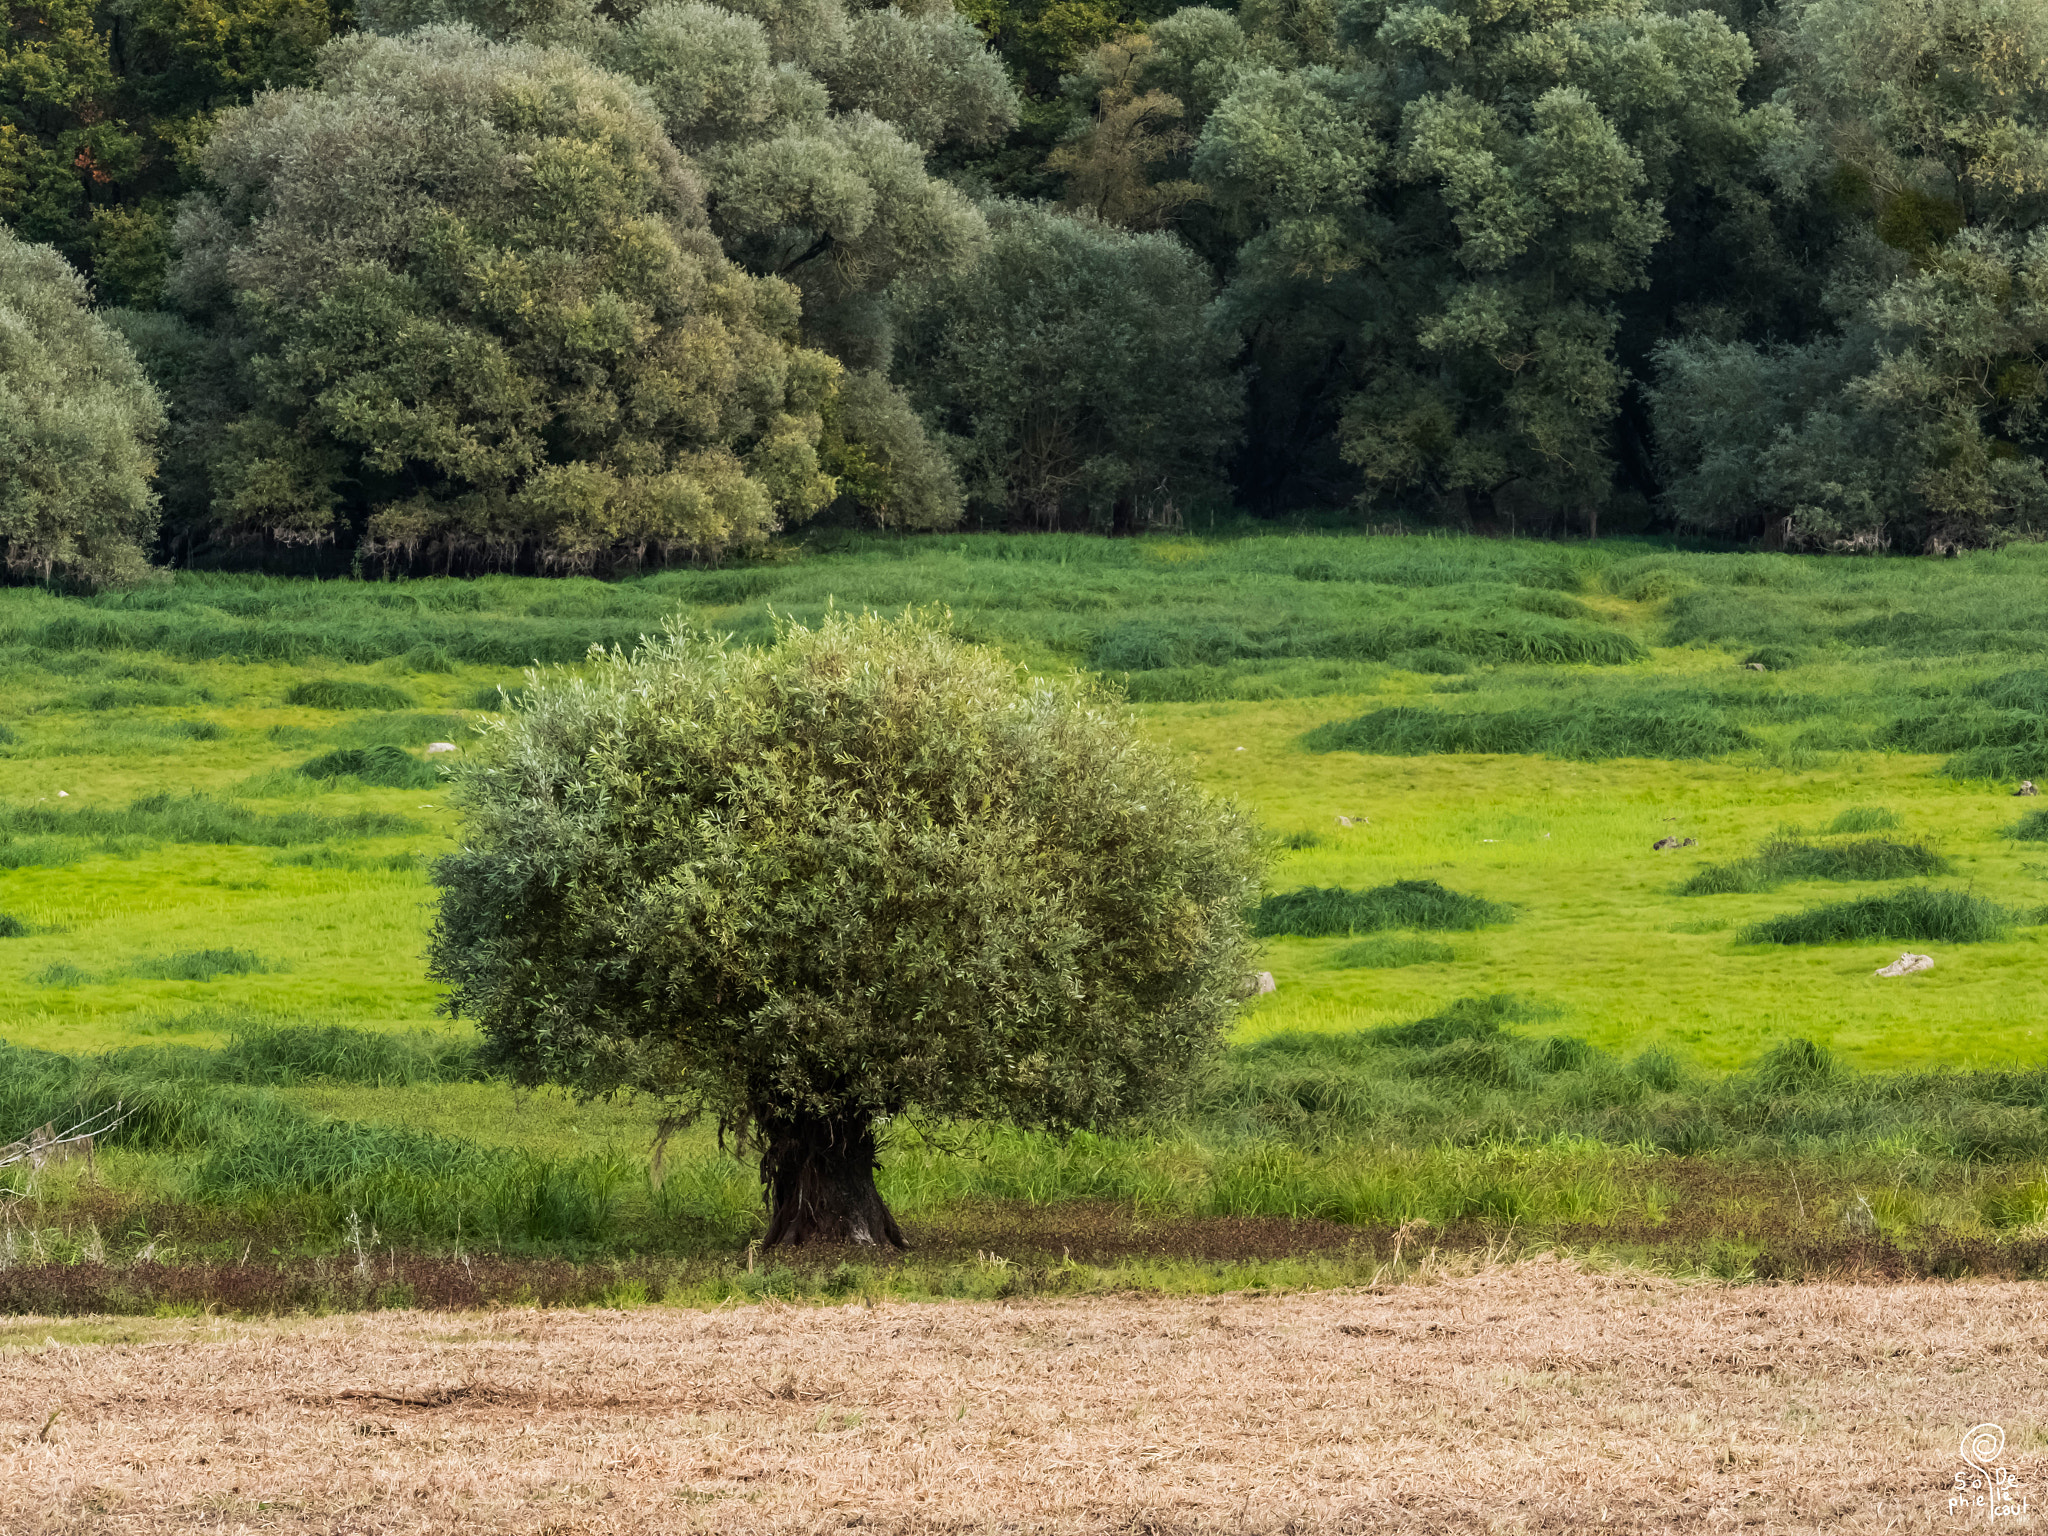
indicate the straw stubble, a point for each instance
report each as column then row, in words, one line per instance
column 1533, row 1398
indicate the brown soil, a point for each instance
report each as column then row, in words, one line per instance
column 1529, row 1398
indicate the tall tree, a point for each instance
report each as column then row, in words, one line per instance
column 484, row 316
column 78, row 423
column 1078, row 371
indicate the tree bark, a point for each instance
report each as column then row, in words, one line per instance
column 819, row 1174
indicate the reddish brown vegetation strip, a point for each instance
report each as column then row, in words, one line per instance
column 1529, row 1398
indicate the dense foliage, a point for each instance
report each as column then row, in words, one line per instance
column 77, row 426
column 1763, row 271
column 870, row 872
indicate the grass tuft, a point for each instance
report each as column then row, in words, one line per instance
column 12, row 927
column 1944, row 917
column 200, row 965
column 386, row 766
column 1673, row 727
column 1386, row 954
column 2030, row 828
column 1862, row 818
column 1313, row 912
column 346, row 693
column 1783, row 860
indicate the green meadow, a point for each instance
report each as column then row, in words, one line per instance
column 1501, row 1016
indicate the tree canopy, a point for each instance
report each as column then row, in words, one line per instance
column 78, row 424
column 870, row 872
column 1749, row 271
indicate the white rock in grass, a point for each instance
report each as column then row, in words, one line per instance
column 440, row 746
column 1264, row 983
column 1907, row 964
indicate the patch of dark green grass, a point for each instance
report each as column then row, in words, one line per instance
column 1784, row 860
column 12, row 927
column 200, row 965
column 1316, row 912
column 2030, row 828
column 334, row 858
column 399, row 729
column 1589, row 730
column 1862, row 818
column 496, row 696
column 1142, row 645
column 347, row 693
column 387, row 766
column 1920, row 914
column 39, row 835
column 1390, row 953
column 282, row 1055
column 2028, row 760
column 61, row 974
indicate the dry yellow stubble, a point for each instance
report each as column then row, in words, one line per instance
column 1529, row 1398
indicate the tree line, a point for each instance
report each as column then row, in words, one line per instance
column 584, row 284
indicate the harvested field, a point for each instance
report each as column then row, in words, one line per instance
column 1527, row 1398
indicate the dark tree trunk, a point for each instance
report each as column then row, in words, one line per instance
column 820, row 1178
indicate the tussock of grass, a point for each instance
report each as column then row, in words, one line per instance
column 334, row 858
column 496, row 696
column 347, row 693
column 42, row 835
column 400, row 729
column 200, row 965
column 1862, row 818
column 386, row 766
column 1386, row 954
column 1784, row 860
column 1588, row 731
column 1313, row 912
column 282, row 1055
column 1930, row 916
column 2027, row 760
column 1486, row 634
column 12, row 927
column 2030, row 828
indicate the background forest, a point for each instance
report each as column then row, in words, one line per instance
column 454, row 285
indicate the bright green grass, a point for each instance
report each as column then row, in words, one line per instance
column 1602, row 933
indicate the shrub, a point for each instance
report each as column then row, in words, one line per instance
column 387, row 766
column 346, row 693
column 1390, row 953
column 1783, row 860
column 1948, row 917
column 1313, row 912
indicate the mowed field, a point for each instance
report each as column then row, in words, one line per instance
column 218, row 818
column 1531, row 1398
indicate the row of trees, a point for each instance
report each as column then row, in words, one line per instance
column 481, row 282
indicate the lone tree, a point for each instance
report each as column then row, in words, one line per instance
column 870, row 871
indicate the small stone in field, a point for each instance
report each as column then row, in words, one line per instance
column 1664, row 843
column 1264, row 983
column 1907, row 964
column 439, row 746
column 2026, row 788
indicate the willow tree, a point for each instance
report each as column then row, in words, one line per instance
column 870, row 872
